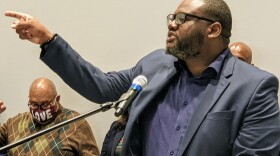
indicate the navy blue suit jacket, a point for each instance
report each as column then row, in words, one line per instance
column 238, row 115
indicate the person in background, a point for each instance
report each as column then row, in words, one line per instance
column 2, row 107
column 113, row 141
column 241, row 51
column 46, row 111
column 200, row 100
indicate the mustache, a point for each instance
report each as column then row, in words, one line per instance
column 171, row 33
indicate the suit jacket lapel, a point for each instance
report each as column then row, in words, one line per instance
column 156, row 84
column 212, row 93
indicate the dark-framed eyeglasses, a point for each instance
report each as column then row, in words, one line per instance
column 43, row 105
column 181, row 17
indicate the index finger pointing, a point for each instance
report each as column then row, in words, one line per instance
column 17, row 15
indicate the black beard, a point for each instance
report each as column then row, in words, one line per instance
column 187, row 47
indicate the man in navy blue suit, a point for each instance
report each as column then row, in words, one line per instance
column 199, row 100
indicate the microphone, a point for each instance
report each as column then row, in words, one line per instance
column 138, row 84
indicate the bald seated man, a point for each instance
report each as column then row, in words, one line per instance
column 75, row 138
column 241, row 51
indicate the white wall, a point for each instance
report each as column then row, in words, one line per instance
column 114, row 35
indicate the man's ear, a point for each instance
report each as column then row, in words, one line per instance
column 214, row 30
column 57, row 98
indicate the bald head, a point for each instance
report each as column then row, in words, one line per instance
column 43, row 101
column 42, row 89
column 241, row 51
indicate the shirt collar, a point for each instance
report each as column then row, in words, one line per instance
column 218, row 62
column 212, row 71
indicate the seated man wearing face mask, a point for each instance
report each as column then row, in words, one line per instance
column 75, row 138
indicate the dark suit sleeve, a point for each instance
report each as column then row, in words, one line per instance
column 82, row 76
column 259, row 133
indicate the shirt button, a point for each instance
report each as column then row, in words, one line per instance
column 172, row 152
column 178, row 128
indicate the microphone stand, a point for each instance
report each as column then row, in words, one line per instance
column 103, row 108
